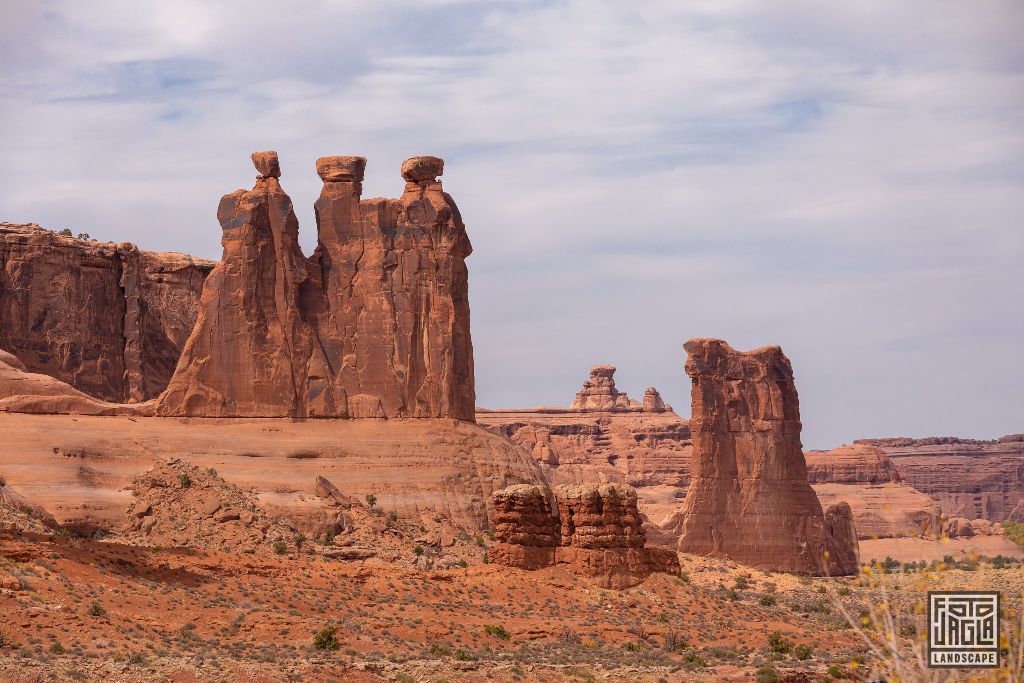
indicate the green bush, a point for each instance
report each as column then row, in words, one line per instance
column 835, row 671
column 371, row 499
column 96, row 609
column 326, row 638
column 767, row 674
column 497, row 631
column 280, row 547
column 692, row 657
column 802, row 651
column 185, row 480
column 741, row 582
column 779, row 644
column 418, row 550
column 767, row 601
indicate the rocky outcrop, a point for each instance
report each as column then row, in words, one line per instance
column 374, row 324
column 108, row 319
column 653, row 402
column 749, row 498
column 969, row 478
column 958, row 527
column 840, row 526
column 595, row 531
column 864, row 477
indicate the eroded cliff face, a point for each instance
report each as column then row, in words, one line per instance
column 969, row 478
column 108, row 319
column 374, row 324
column 749, row 498
column 593, row 530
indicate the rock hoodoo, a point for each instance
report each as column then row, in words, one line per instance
column 108, row 319
column 374, row 324
column 595, row 531
column 599, row 392
column 653, row 402
column 749, row 499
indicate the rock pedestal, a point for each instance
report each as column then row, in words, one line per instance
column 749, row 499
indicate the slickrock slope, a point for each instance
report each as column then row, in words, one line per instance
column 968, row 477
column 646, row 446
column 108, row 319
column 864, row 477
column 749, row 499
column 81, row 468
column 595, row 531
column 374, row 324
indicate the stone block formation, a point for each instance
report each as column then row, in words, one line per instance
column 593, row 530
column 749, row 498
column 374, row 324
column 108, row 319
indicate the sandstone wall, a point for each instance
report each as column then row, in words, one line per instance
column 108, row 319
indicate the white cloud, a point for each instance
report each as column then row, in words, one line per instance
column 844, row 182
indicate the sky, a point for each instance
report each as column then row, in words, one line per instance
column 845, row 180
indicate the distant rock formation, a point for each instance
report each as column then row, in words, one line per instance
column 108, row 319
column 653, row 402
column 958, row 527
column 595, row 531
column 883, row 505
column 374, row 324
column 599, row 392
column 749, row 499
column 970, row 478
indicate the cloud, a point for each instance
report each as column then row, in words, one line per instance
column 842, row 181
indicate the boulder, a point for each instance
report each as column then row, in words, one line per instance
column 749, row 499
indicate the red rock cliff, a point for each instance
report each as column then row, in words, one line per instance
column 749, row 499
column 108, row 319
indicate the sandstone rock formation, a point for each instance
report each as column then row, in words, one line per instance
column 108, row 319
column 595, row 531
column 864, row 477
column 749, row 499
column 653, row 402
column 969, row 478
column 374, row 324
column 599, row 392
column 840, row 526
column 958, row 527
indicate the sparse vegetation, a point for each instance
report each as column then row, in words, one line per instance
column 498, row 631
column 326, row 638
column 779, row 644
column 371, row 500
column 185, row 481
column 96, row 609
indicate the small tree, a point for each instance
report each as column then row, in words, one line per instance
column 185, row 480
column 371, row 499
column 326, row 638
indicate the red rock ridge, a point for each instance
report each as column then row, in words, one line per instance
column 749, row 498
column 108, row 319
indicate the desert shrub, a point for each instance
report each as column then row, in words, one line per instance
column 498, row 631
column 211, row 471
column 329, row 537
column 185, row 480
column 96, row 609
column 767, row 601
column 418, row 550
column 371, row 499
column 767, row 674
column 675, row 642
column 835, row 671
column 802, row 651
column 299, row 540
column 778, row 643
column 280, row 547
column 57, row 648
column 326, row 638
column 741, row 582
column 684, row 577
column 404, row 678
column 463, row 655
column 844, row 591
column 732, row 594
column 66, row 232
column 440, row 649
column 692, row 657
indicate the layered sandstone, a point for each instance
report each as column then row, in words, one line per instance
column 969, row 478
column 749, row 498
column 108, row 319
column 594, row 531
column 374, row 324
column 864, row 477
column 81, row 468
column 599, row 392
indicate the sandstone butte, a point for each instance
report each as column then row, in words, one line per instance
column 605, row 438
column 749, row 498
column 108, row 319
